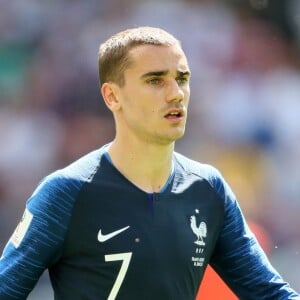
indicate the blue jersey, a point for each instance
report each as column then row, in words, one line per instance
column 101, row 237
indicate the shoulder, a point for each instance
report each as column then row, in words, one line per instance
column 83, row 168
column 62, row 186
column 206, row 172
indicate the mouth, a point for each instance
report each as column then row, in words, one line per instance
column 175, row 114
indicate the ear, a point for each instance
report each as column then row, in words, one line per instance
column 109, row 93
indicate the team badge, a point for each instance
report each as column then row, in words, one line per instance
column 200, row 231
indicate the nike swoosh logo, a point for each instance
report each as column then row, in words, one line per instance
column 104, row 237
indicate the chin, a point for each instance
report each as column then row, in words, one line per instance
column 179, row 134
column 165, row 140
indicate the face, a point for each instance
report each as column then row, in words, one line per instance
column 154, row 99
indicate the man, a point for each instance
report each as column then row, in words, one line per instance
column 134, row 219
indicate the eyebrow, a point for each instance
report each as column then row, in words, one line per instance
column 165, row 72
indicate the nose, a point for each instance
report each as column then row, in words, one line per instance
column 175, row 92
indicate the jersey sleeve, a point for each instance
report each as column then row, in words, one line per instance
column 238, row 257
column 37, row 241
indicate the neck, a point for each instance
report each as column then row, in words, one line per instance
column 148, row 166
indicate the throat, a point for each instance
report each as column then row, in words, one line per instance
column 157, row 185
column 149, row 170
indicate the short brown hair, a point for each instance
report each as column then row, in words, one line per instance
column 113, row 57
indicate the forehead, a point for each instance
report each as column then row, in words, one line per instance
column 153, row 57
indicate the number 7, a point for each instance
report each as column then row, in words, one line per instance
column 125, row 257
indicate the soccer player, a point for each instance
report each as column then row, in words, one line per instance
column 134, row 219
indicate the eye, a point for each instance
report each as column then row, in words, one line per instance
column 182, row 80
column 155, row 81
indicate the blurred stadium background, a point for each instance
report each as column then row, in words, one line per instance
column 244, row 111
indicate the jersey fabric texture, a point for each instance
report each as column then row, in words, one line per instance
column 101, row 237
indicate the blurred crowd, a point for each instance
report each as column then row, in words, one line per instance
column 244, row 111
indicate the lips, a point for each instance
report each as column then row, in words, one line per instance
column 174, row 114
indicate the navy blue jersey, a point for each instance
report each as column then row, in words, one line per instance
column 101, row 237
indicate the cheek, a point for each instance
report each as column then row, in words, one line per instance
column 134, row 109
column 187, row 91
column 187, row 95
column 141, row 103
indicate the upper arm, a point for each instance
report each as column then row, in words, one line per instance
column 37, row 240
column 239, row 259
